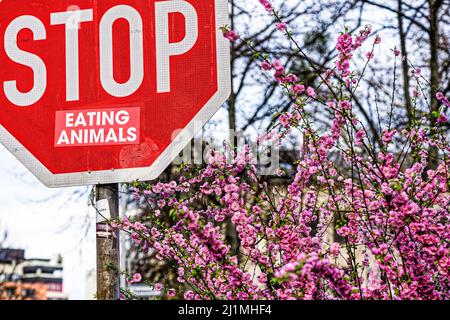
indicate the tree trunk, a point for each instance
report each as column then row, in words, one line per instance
column 230, row 230
column 434, row 53
column 405, row 66
column 434, row 6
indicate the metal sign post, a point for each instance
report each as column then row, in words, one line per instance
column 107, row 205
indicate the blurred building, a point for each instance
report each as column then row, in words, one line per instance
column 10, row 261
column 22, row 291
column 30, row 279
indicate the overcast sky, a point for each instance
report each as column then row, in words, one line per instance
column 47, row 222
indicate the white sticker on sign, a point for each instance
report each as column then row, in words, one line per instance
column 103, row 212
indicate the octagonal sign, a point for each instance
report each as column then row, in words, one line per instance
column 108, row 91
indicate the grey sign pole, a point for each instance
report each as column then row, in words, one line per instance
column 107, row 207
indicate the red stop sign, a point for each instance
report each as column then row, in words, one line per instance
column 97, row 91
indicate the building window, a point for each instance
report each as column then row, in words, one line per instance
column 55, row 287
column 28, row 293
column 11, row 292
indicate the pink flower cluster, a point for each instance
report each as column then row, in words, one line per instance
column 389, row 214
column 440, row 97
column 231, row 35
column 267, row 5
column 346, row 44
column 281, row 26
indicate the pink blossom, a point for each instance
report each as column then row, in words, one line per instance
column 171, row 293
column 135, row 278
column 298, row 89
column 417, row 72
column 359, row 137
column 266, row 4
column 231, row 188
column 387, row 136
column 310, row 92
column 265, row 65
column 442, row 118
column 346, row 105
column 440, row 97
column 281, row 26
column 231, row 35
column 335, row 249
column 285, row 119
column 377, row 39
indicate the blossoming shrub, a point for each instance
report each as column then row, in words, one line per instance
column 389, row 203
